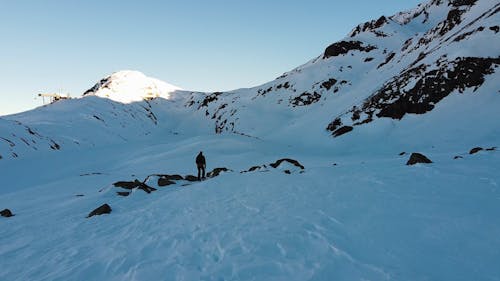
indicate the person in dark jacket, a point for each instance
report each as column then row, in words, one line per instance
column 201, row 164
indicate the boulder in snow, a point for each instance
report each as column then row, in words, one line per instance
column 173, row 177
column 127, row 184
column 191, row 178
column 103, row 209
column 254, row 168
column 475, row 150
column 163, row 181
column 215, row 172
column 418, row 158
column 291, row 161
column 123, row 193
column 6, row 213
column 134, row 184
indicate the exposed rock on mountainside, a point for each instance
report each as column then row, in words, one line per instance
column 398, row 97
column 101, row 210
column 385, row 69
column 418, row 158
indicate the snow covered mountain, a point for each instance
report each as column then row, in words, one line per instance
column 307, row 172
column 383, row 71
column 129, row 86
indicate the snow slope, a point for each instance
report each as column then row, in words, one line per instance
column 367, row 218
column 424, row 81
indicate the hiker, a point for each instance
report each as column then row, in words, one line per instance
column 201, row 164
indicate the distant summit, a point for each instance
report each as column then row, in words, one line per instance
column 128, row 86
column 426, row 77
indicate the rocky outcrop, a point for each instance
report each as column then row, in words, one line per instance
column 417, row 91
column 305, row 99
column 164, row 181
column 343, row 47
column 475, row 150
column 291, row 161
column 191, row 178
column 103, row 209
column 134, row 184
column 6, row 213
column 418, row 158
column 216, row 172
column 276, row 165
column 123, row 193
column 370, row 26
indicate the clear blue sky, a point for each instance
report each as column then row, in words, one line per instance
column 206, row 45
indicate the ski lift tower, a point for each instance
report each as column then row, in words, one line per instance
column 53, row 97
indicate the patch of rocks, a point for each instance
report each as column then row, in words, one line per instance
column 477, row 149
column 216, row 172
column 287, row 170
column 153, row 182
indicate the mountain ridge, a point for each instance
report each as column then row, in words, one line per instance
column 385, row 68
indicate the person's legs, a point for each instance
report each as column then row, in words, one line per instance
column 199, row 173
column 203, row 172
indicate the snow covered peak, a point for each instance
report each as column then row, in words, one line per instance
column 432, row 7
column 128, row 86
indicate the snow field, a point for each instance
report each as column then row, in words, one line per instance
column 364, row 219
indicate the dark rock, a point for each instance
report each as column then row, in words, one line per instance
column 395, row 98
column 127, row 184
column 291, row 161
column 475, row 150
column 134, row 184
column 458, row 157
column 306, row 99
column 191, row 178
column 79, row 195
column 491, row 148
column 458, row 3
column 287, row 171
column 146, row 188
column 215, row 172
column 172, row 177
column 343, row 47
column 103, row 83
column 6, row 213
column 402, row 153
column 210, row 98
column 467, row 34
column 342, row 130
column 104, row 209
column 329, row 83
column 368, row 59
column 387, row 60
column 453, row 19
column 418, row 158
column 369, row 26
column 165, row 181
column 495, row 28
column 55, row 146
column 253, row 169
column 334, row 124
column 123, row 193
